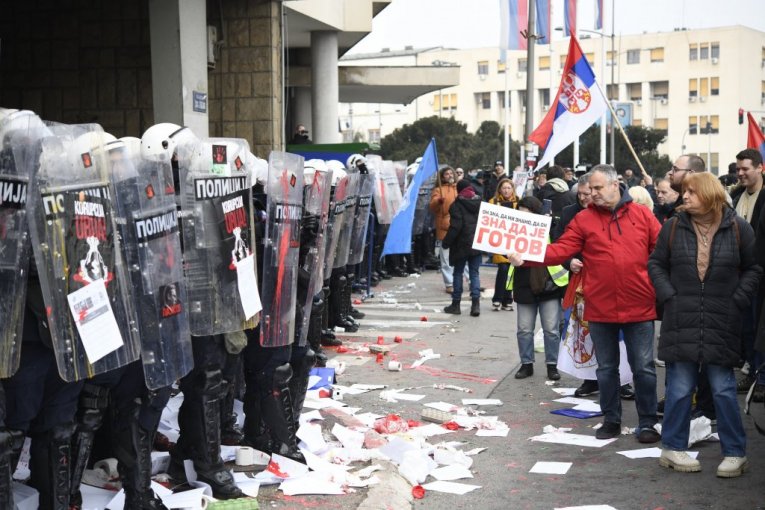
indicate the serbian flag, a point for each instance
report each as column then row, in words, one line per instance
column 754, row 137
column 543, row 21
column 598, row 15
column 514, row 17
column 569, row 17
column 577, row 106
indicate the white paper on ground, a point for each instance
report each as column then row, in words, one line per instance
column 429, row 430
column 310, row 416
column 474, row 451
column 574, row 400
column 282, row 467
column 27, row 498
column 501, row 431
column 587, row 507
column 551, row 468
column 349, row 438
column 94, row 318
column 368, row 387
column 365, row 472
column 349, row 390
column 481, row 401
column 322, row 403
column 425, row 355
column 187, row 499
column 336, row 473
column 249, row 485
column 649, row 453
column 442, row 406
column 228, row 453
column 368, row 419
column 452, row 457
column 247, row 283
column 416, row 466
column 592, row 407
column 573, row 439
column 312, row 380
column 396, row 448
column 311, row 483
column 398, row 395
column 312, row 437
column 453, row 472
column 450, row 487
column 565, row 392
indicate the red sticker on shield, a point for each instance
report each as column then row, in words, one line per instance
column 86, row 161
column 238, row 163
column 293, row 180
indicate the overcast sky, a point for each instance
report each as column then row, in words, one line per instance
column 475, row 23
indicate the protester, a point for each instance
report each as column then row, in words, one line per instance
column 630, row 179
column 491, row 180
column 641, row 196
column 538, row 291
column 665, row 199
column 441, row 199
column 503, row 298
column 459, row 174
column 706, row 242
column 463, row 218
column 557, row 191
column 615, row 237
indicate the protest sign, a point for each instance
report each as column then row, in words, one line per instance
column 504, row 230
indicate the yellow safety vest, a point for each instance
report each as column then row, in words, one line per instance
column 559, row 275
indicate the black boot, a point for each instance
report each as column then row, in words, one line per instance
column 231, row 434
column 132, row 447
column 453, row 308
column 49, row 463
column 277, row 411
column 314, row 329
column 199, row 420
column 299, row 383
column 6, row 469
column 255, row 433
column 94, row 400
column 475, row 308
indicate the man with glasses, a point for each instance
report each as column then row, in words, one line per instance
column 459, row 175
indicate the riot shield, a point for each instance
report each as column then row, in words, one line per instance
column 20, row 132
column 80, row 267
column 387, row 193
column 422, row 209
column 344, row 233
column 147, row 221
column 335, row 222
column 281, row 248
column 217, row 235
column 400, row 169
column 316, row 203
column 361, row 218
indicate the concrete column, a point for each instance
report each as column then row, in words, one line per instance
column 301, row 110
column 179, row 63
column 325, row 88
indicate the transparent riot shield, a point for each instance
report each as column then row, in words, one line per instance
column 147, row 220
column 335, row 223
column 20, row 132
column 217, row 235
column 316, row 203
column 281, row 248
column 344, row 240
column 81, row 273
column 400, row 168
column 361, row 218
column 422, row 209
column 387, row 193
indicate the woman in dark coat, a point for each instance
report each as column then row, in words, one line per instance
column 463, row 219
column 705, row 274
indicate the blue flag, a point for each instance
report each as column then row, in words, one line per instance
column 399, row 239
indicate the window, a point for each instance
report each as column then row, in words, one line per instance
column 709, row 124
column 715, row 50
column 374, row 135
column 714, row 166
column 612, row 91
column 453, row 101
column 436, row 103
column 544, row 63
column 660, row 90
column 590, row 58
column 762, row 92
column 563, row 61
column 637, row 122
column 714, row 86
column 522, row 98
column 501, row 66
column 448, row 102
column 762, row 63
column 657, row 54
column 693, row 125
column 633, row 56
column 704, row 124
column 661, row 124
column 484, row 100
column 544, row 97
column 703, row 51
column 693, row 53
column 483, row 67
column 704, row 87
column 635, row 91
column 501, row 99
column 714, row 120
column 522, row 65
column 693, row 87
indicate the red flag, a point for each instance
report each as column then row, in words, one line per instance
column 754, row 137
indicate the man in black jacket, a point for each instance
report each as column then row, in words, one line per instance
column 557, row 191
column 491, row 180
column 463, row 219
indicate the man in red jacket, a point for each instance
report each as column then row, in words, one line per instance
column 615, row 237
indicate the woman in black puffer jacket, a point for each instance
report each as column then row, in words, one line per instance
column 705, row 274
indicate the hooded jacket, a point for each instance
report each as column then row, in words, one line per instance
column 702, row 319
column 615, row 246
column 462, row 224
column 441, row 210
column 557, row 191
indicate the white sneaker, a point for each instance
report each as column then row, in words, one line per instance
column 495, row 306
column 679, row 461
column 731, row 467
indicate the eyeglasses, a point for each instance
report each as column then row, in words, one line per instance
column 676, row 169
column 580, row 194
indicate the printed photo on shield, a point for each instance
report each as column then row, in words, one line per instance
column 238, row 164
column 219, row 154
column 93, row 267
column 86, row 161
column 170, row 300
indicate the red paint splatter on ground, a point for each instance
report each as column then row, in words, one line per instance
column 273, row 467
column 439, row 372
column 418, row 492
column 450, row 425
column 423, row 319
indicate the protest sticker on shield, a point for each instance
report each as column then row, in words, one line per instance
column 503, row 230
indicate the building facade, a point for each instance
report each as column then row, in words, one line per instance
column 690, row 83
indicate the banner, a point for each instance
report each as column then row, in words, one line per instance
column 503, row 230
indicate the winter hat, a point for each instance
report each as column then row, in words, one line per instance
column 532, row 204
column 463, row 184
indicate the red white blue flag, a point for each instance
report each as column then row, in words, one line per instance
column 754, row 137
column 514, row 17
column 569, row 17
column 543, row 21
column 599, row 15
column 577, row 106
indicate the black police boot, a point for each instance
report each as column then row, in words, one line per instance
column 277, row 411
column 6, row 469
column 231, row 434
column 254, row 430
column 314, row 330
column 49, row 463
column 299, row 383
column 354, row 313
column 94, row 400
column 132, row 447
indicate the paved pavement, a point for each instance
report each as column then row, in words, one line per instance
column 480, row 354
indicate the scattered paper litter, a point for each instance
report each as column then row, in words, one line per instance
column 573, row 439
column 500, row 431
column 282, row 467
column 481, row 401
column 367, row 471
column 368, row 387
column 574, row 400
column 452, row 472
column 312, row 437
column 474, row 451
column 587, row 507
column 311, row 483
column 549, row 429
column 591, row 407
column 450, row 487
column 442, row 406
column 310, row 416
column 649, row 453
column 349, row 438
column 551, row 468
column 429, row 430
column 425, row 355
column 452, row 457
column 565, row 392
column 396, row 395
